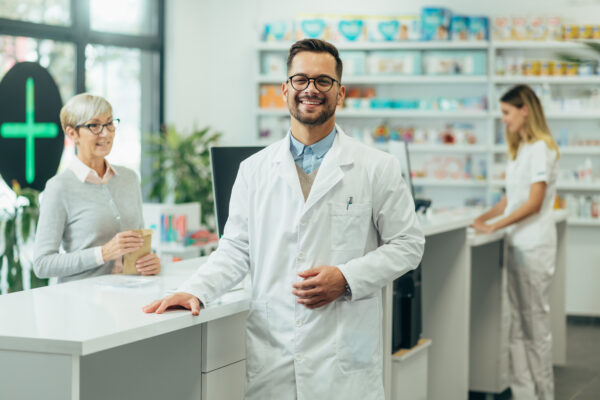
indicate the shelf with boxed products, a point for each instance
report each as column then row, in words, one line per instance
column 561, row 185
column 566, row 115
column 449, row 182
column 393, row 79
column 386, row 113
column 445, row 148
column 567, row 150
column 554, row 80
column 539, row 44
column 398, row 45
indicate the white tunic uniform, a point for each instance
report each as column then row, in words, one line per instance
column 360, row 217
column 531, row 263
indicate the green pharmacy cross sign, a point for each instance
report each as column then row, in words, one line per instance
column 30, row 144
column 30, row 130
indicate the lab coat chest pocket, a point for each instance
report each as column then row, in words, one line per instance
column 349, row 225
column 257, row 324
column 358, row 334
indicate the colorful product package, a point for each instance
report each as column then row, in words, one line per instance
column 570, row 32
column 382, row 29
column 554, row 25
column 273, row 64
column 455, row 62
column 479, row 28
column 278, row 31
column 410, row 27
column 348, row 29
column 537, row 29
column 394, row 62
column 459, row 28
column 355, row 62
column 310, row 26
column 519, row 28
column 435, row 23
column 270, row 97
column 502, row 28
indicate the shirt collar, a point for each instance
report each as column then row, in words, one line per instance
column 319, row 149
column 83, row 172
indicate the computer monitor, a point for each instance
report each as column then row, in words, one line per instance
column 225, row 162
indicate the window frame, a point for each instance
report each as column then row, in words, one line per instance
column 80, row 34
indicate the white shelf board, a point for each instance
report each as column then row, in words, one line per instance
column 392, row 79
column 568, row 150
column 561, row 185
column 394, row 113
column 416, row 45
column 386, row 113
column 589, row 115
column 448, row 182
column 574, row 221
column 555, row 80
column 539, row 44
column 448, row 148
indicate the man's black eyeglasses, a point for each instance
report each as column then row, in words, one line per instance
column 322, row 83
column 97, row 129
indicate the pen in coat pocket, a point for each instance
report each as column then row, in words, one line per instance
column 349, row 202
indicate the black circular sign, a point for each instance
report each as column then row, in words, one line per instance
column 31, row 139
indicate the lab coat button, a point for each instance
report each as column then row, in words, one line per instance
column 298, row 323
column 303, row 223
column 298, row 357
column 300, row 256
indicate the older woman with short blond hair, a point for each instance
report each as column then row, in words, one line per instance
column 91, row 209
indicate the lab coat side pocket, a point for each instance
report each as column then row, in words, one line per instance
column 358, row 334
column 257, row 345
column 349, row 226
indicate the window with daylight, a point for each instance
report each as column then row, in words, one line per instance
column 112, row 48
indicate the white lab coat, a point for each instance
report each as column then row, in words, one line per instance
column 531, row 264
column 333, row 352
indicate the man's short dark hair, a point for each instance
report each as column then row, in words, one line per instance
column 316, row 46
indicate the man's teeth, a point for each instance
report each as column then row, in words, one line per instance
column 310, row 102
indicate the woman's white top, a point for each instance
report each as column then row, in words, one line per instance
column 535, row 162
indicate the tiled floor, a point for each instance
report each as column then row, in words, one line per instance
column 580, row 378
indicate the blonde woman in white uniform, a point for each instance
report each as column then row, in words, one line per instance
column 527, row 214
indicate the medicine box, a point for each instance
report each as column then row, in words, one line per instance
column 435, row 23
column 278, row 31
column 410, row 27
column 478, row 28
column 459, row 28
column 355, row 62
column 383, row 29
column 348, row 29
column 454, row 63
column 394, row 62
column 313, row 27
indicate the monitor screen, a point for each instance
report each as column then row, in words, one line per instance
column 225, row 162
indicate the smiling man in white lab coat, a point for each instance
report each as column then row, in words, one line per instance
column 322, row 223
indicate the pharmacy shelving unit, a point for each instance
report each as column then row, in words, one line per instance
column 583, row 297
column 434, row 83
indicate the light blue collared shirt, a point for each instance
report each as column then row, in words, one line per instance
column 309, row 158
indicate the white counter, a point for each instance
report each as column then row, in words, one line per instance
column 90, row 315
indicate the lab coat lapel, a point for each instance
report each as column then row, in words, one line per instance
column 330, row 172
column 286, row 167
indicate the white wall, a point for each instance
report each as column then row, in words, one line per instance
column 211, row 64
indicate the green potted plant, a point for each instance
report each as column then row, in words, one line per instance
column 181, row 169
column 18, row 220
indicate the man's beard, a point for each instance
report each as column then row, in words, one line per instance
column 314, row 119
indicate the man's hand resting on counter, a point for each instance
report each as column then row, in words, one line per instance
column 179, row 299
